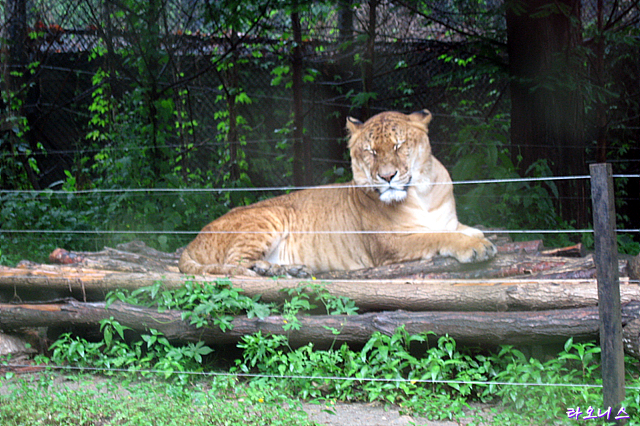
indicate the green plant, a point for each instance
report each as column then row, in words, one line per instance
column 113, row 353
column 300, row 301
column 627, row 244
column 3, row 259
column 76, row 351
column 423, row 374
column 291, row 308
column 577, row 364
column 385, row 369
column 18, row 165
column 203, row 304
column 41, row 211
column 209, row 304
column 333, row 305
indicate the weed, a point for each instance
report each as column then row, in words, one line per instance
column 202, row 303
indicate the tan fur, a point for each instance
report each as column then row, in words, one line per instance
column 410, row 214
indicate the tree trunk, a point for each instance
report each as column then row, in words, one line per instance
column 547, row 117
column 149, row 49
column 368, row 70
column 301, row 168
column 478, row 328
column 345, row 21
column 46, row 282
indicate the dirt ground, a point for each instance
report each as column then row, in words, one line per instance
column 374, row 414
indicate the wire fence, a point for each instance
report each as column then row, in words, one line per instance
column 63, row 95
column 294, row 188
column 186, row 235
column 283, row 377
column 407, row 72
column 172, row 191
column 308, row 377
column 114, row 233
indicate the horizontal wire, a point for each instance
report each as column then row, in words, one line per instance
column 211, row 144
column 403, row 232
column 168, row 190
column 310, row 377
column 298, row 188
column 407, row 232
column 294, row 188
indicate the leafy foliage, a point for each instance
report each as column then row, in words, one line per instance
column 423, row 374
column 481, row 152
column 212, row 304
column 202, row 304
column 437, row 381
column 18, row 164
column 114, row 354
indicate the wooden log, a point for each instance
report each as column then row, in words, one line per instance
column 631, row 338
column 519, row 247
column 479, row 328
column 571, row 251
column 408, row 269
column 522, row 258
column 51, row 282
column 135, row 256
column 502, row 266
column 634, row 268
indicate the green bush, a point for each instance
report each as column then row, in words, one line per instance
column 423, row 374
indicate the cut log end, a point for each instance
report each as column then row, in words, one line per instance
column 631, row 338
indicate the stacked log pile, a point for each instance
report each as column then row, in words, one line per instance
column 526, row 295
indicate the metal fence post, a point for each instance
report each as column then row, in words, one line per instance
column 606, row 259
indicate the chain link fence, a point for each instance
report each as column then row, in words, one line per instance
column 59, row 100
column 64, row 39
column 418, row 62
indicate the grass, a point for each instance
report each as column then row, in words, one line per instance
column 54, row 399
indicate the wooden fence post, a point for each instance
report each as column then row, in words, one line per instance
column 606, row 259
